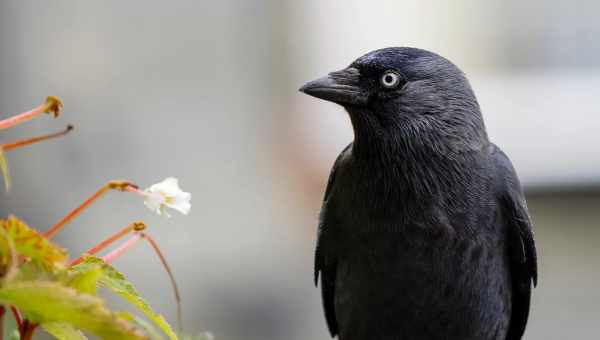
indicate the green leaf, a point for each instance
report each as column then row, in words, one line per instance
column 86, row 281
column 4, row 169
column 29, row 243
column 115, row 281
column 63, row 331
column 45, row 302
column 143, row 324
column 32, row 271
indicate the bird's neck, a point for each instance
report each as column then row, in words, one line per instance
column 411, row 166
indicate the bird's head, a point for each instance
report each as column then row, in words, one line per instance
column 406, row 96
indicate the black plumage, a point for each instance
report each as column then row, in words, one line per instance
column 424, row 232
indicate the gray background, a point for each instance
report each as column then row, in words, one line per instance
column 207, row 92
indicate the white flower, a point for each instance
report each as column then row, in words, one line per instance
column 167, row 194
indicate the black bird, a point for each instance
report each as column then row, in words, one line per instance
column 424, row 232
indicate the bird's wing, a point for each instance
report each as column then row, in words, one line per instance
column 325, row 262
column 523, row 258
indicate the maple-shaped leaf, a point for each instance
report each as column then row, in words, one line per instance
column 52, row 302
column 30, row 244
column 63, row 331
column 115, row 281
column 142, row 323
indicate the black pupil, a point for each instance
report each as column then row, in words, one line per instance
column 389, row 79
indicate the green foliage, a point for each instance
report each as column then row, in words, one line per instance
column 63, row 331
column 86, row 281
column 31, row 244
column 36, row 280
column 51, row 302
column 63, row 300
column 116, row 282
column 143, row 324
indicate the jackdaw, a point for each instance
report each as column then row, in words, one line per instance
column 424, row 233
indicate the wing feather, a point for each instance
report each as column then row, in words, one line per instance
column 523, row 254
column 325, row 262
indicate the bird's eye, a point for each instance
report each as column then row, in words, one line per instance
column 390, row 79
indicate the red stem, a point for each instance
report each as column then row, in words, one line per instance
column 58, row 226
column 163, row 260
column 114, row 185
column 136, row 190
column 137, row 226
column 108, row 258
column 29, row 330
column 2, row 312
column 21, row 118
column 113, row 255
column 28, row 141
column 51, row 105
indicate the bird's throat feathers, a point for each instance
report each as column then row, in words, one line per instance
column 414, row 159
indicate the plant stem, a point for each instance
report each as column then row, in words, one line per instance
column 29, row 329
column 163, row 260
column 112, row 185
column 2, row 312
column 28, row 141
column 113, row 255
column 136, row 190
column 135, row 226
column 118, row 252
column 51, row 105
column 23, row 328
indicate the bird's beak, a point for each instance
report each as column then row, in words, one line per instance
column 340, row 87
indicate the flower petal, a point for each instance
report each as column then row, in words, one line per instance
column 154, row 201
column 165, row 194
column 169, row 186
column 183, row 207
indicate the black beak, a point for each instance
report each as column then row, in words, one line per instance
column 340, row 87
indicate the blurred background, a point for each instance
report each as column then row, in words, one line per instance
column 207, row 91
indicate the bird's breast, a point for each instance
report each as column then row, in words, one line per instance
column 397, row 276
column 417, row 264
